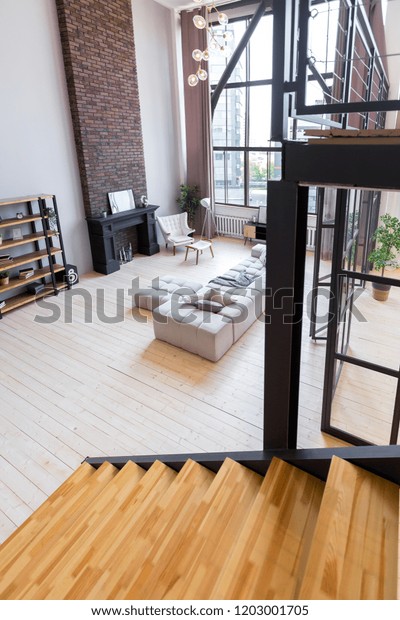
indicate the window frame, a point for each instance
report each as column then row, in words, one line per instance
column 246, row 149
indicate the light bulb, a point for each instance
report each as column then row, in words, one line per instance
column 222, row 18
column 199, row 22
column 206, row 55
column 197, row 55
column 193, row 80
column 224, row 51
column 202, row 74
column 228, row 35
column 214, row 45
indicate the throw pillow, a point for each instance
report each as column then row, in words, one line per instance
column 209, row 306
column 220, row 297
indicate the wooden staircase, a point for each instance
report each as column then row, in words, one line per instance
column 127, row 533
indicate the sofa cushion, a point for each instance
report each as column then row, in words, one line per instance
column 162, row 288
column 258, row 250
column 150, row 298
column 214, row 337
column 172, row 283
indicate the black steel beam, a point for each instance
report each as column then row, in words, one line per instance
column 347, row 108
column 384, row 370
column 237, row 54
column 369, row 277
column 353, row 165
column 381, row 460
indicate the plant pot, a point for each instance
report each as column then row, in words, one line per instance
column 380, row 292
column 4, row 281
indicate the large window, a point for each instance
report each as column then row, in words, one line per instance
column 244, row 156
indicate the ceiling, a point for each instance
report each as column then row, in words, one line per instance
column 186, row 4
column 177, row 4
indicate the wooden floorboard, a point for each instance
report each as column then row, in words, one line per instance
column 93, row 388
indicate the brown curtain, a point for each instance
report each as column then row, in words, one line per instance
column 197, row 112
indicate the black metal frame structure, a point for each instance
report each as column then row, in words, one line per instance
column 319, row 282
column 301, row 163
column 340, row 311
column 357, row 25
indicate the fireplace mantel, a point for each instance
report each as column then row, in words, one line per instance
column 102, row 236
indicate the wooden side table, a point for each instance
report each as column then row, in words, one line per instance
column 199, row 246
column 249, row 232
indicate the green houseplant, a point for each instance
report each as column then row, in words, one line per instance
column 387, row 237
column 189, row 201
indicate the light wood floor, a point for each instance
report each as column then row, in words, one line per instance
column 89, row 387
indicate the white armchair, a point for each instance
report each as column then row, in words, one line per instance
column 175, row 229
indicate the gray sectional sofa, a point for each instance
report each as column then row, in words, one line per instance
column 207, row 319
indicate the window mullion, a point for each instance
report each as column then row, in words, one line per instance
column 247, row 130
column 225, row 152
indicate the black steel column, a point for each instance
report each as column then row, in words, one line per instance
column 286, row 244
column 337, row 259
column 281, row 69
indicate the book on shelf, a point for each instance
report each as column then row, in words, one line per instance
column 2, row 304
column 26, row 273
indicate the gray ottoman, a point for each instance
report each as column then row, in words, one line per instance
column 197, row 331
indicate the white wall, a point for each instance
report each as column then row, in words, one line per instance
column 37, row 149
column 155, row 43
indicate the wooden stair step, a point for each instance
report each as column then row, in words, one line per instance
column 51, row 520
column 354, row 550
column 101, row 546
column 207, row 541
column 268, row 558
column 155, row 534
column 44, row 568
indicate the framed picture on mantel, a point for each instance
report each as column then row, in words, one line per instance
column 121, row 201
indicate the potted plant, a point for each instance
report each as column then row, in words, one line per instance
column 387, row 237
column 4, row 278
column 189, row 201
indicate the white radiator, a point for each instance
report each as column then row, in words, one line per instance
column 311, row 238
column 230, row 225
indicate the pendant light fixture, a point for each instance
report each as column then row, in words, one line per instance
column 216, row 41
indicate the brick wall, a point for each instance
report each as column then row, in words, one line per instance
column 99, row 56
